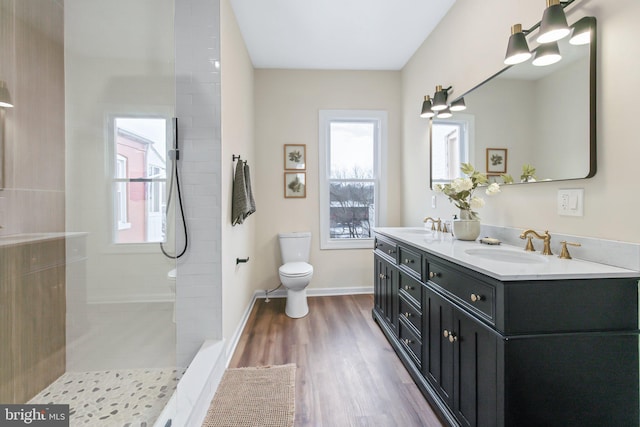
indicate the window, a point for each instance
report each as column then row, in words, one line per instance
column 449, row 148
column 352, row 177
column 121, row 193
column 139, row 151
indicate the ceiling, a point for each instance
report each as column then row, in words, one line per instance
column 336, row 34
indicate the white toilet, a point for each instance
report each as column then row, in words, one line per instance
column 295, row 271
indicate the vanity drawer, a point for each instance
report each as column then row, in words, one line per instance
column 386, row 247
column 474, row 294
column 410, row 288
column 410, row 342
column 411, row 260
column 411, row 315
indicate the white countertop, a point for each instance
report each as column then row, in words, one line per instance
column 542, row 267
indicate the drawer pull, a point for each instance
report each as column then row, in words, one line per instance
column 407, row 314
column 382, row 276
column 476, row 297
column 452, row 337
column 407, row 341
column 409, row 261
column 433, row 274
column 391, row 251
column 408, row 288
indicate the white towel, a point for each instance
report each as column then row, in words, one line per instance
column 242, row 203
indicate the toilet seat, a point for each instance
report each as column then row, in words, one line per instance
column 296, row 269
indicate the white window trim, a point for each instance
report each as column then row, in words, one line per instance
column 380, row 166
column 110, row 150
column 467, row 123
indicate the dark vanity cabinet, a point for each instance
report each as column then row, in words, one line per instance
column 517, row 353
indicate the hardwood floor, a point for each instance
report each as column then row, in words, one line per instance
column 347, row 373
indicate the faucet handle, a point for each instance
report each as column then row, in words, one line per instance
column 564, row 252
column 529, row 247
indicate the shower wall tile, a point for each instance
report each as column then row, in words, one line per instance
column 33, row 67
column 198, row 285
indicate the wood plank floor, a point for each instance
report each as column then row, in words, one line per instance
column 347, row 373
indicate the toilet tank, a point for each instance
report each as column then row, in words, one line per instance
column 294, row 247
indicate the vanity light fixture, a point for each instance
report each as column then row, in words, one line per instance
column 582, row 31
column 547, row 54
column 517, row 49
column 553, row 26
column 438, row 104
column 444, row 114
column 426, row 108
column 458, row 105
column 5, row 97
column 440, row 98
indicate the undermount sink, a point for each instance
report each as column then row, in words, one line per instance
column 505, row 255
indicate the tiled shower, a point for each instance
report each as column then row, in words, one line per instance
column 106, row 312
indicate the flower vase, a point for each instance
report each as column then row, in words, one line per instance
column 466, row 228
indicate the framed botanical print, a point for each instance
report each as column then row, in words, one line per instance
column 295, row 157
column 295, row 185
column 496, row 160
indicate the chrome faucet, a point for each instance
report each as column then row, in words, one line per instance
column 546, row 238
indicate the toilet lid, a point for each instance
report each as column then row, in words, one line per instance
column 293, row 269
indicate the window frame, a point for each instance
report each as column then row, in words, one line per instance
column 380, row 120
column 466, row 143
column 112, row 156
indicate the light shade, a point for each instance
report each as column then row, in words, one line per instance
column 439, row 99
column 5, row 98
column 554, row 25
column 458, row 105
column 582, row 31
column 547, row 54
column 426, row 108
column 444, row 114
column 517, row 49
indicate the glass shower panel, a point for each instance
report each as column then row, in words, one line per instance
column 119, row 99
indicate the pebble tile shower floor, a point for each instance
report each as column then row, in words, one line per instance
column 123, row 398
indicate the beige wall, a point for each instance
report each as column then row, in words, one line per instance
column 465, row 58
column 286, row 112
column 237, row 138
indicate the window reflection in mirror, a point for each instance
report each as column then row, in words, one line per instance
column 450, row 146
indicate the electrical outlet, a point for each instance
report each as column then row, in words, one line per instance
column 433, row 202
column 571, row 201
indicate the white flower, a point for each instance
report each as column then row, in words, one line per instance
column 438, row 188
column 462, row 184
column 493, row 189
column 476, row 202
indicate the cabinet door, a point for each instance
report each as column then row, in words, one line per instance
column 386, row 294
column 438, row 366
column 475, row 352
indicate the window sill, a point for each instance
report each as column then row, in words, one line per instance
column 337, row 244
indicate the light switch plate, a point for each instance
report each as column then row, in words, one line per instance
column 571, row 201
column 433, row 202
